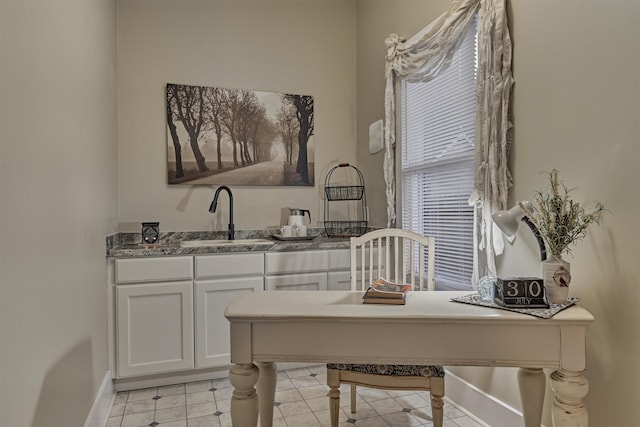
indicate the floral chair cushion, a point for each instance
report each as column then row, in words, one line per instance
column 397, row 370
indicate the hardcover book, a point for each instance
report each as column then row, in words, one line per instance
column 370, row 300
column 383, row 291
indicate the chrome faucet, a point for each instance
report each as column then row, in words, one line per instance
column 214, row 205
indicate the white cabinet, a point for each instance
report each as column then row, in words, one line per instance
column 297, row 282
column 308, row 270
column 140, row 270
column 169, row 311
column 219, row 280
column 304, row 270
column 339, row 274
column 155, row 328
column 296, row 262
column 228, row 265
column 154, row 315
column 339, row 280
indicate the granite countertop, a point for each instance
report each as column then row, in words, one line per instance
column 127, row 245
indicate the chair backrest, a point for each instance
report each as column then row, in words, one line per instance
column 397, row 255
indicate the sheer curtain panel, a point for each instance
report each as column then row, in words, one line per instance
column 426, row 55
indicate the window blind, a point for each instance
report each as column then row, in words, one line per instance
column 437, row 162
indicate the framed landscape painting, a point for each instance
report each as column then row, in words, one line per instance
column 238, row 137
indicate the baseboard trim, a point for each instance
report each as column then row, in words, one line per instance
column 158, row 380
column 99, row 413
column 478, row 405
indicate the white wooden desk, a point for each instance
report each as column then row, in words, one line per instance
column 334, row 326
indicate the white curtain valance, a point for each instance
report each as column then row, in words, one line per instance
column 423, row 57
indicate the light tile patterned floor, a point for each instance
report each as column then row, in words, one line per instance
column 301, row 401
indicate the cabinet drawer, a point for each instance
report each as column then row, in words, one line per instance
column 229, row 265
column 296, row 262
column 153, row 269
column 340, row 259
column 297, row 282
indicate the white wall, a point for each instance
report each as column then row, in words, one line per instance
column 58, row 162
column 580, row 114
column 274, row 46
column 577, row 109
column 376, row 21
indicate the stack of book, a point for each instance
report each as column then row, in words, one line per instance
column 384, row 292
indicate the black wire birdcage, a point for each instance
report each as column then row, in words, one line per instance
column 349, row 195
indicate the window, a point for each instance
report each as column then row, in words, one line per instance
column 437, row 163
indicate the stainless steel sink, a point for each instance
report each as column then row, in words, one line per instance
column 236, row 242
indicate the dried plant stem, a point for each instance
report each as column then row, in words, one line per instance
column 561, row 221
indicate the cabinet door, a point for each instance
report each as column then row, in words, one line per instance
column 339, row 259
column 339, row 281
column 297, row 282
column 212, row 328
column 154, row 328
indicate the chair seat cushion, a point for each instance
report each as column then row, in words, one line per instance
column 396, row 370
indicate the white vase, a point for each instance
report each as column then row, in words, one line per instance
column 556, row 274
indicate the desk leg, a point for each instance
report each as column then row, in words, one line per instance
column 244, row 402
column 266, row 392
column 568, row 408
column 532, row 384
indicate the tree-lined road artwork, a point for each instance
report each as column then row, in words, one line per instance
column 238, row 137
column 264, row 173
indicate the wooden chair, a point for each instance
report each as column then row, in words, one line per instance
column 400, row 256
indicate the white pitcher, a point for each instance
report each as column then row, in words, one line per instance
column 296, row 216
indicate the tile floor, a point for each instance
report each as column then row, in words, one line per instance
column 301, row 401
